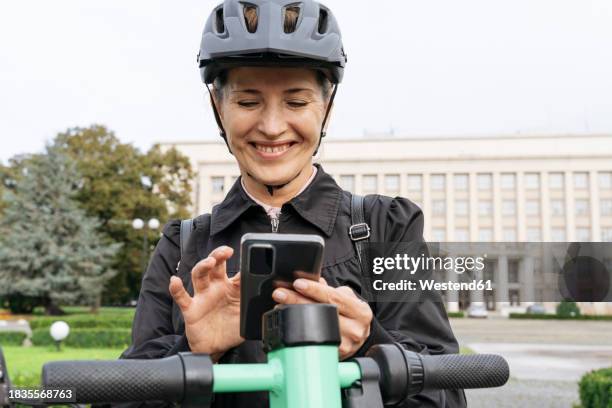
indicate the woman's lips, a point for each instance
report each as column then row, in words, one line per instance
column 268, row 151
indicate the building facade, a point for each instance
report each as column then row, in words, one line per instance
column 493, row 189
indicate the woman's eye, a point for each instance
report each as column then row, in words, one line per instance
column 247, row 104
column 297, row 104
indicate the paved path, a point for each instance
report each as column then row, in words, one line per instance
column 546, row 358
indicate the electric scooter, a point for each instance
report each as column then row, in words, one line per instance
column 303, row 371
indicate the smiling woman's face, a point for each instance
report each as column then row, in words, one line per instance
column 272, row 118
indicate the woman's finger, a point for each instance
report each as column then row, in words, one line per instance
column 179, row 294
column 200, row 274
column 221, row 255
column 346, row 301
column 290, row 297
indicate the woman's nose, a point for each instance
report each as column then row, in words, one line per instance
column 272, row 121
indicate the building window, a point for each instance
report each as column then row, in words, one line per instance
column 606, row 235
column 438, row 182
column 485, row 208
column 392, row 183
column 438, row 234
column 513, row 271
column 508, row 181
column 370, row 183
column 509, row 234
column 485, row 181
column 462, row 234
column 557, row 207
column 461, row 208
column 532, row 181
column 583, row 234
column 555, row 181
column 532, row 207
column 509, row 207
column 485, row 234
column 415, row 182
column 581, row 207
column 438, row 207
column 605, row 180
column 606, row 206
column 217, row 184
column 557, row 234
column 347, row 182
column 581, row 181
column 533, row 235
column 461, row 182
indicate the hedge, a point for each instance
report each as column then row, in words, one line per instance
column 85, row 321
column 557, row 317
column 12, row 338
column 455, row 314
column 596, row 389
column 87, row 338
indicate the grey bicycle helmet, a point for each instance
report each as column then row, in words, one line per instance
column 315, row 42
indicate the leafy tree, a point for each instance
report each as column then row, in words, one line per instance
column 51, row 253
column 120, row 184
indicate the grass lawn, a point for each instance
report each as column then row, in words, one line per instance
column 25, row 363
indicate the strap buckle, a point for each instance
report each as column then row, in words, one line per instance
column 360, row 231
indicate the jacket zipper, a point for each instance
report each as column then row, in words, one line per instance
column 274, row 222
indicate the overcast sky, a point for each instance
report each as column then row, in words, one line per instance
column 435, row 67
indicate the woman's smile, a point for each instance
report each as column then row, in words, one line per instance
column 272, row 150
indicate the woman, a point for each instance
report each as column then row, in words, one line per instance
column 274, row 71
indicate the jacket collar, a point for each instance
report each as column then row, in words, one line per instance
column 317, row 204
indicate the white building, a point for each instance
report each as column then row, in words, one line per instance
column 496, row 189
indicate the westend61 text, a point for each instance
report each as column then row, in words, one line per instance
column 432, row 285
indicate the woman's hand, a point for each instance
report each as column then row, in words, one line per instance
column 212, row 315
column 355, row 314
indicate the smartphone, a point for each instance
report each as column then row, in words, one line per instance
column 269, row 261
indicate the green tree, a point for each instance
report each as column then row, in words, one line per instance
column 119, row 184
column 51, row 253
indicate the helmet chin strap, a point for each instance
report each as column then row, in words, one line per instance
column 329, row 105
column 218, row 119
column 272, row 187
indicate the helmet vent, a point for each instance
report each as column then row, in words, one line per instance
column 323, row 21
column 291, row 15
column 250, row 16
column 219, row 24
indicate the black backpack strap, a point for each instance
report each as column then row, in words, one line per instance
column 186, row 228
column 359, row 232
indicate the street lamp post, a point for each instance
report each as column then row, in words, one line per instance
column 139, row 224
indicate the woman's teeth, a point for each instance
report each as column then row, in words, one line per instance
column 273, row 149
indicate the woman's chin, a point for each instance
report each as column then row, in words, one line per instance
column 275, row 177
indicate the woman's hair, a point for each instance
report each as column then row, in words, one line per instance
column 250, row 18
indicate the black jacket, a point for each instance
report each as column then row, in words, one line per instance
column 323, row 208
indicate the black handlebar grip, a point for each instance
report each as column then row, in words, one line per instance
column 404, row 373
column 168, row 379
column 452, row 371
